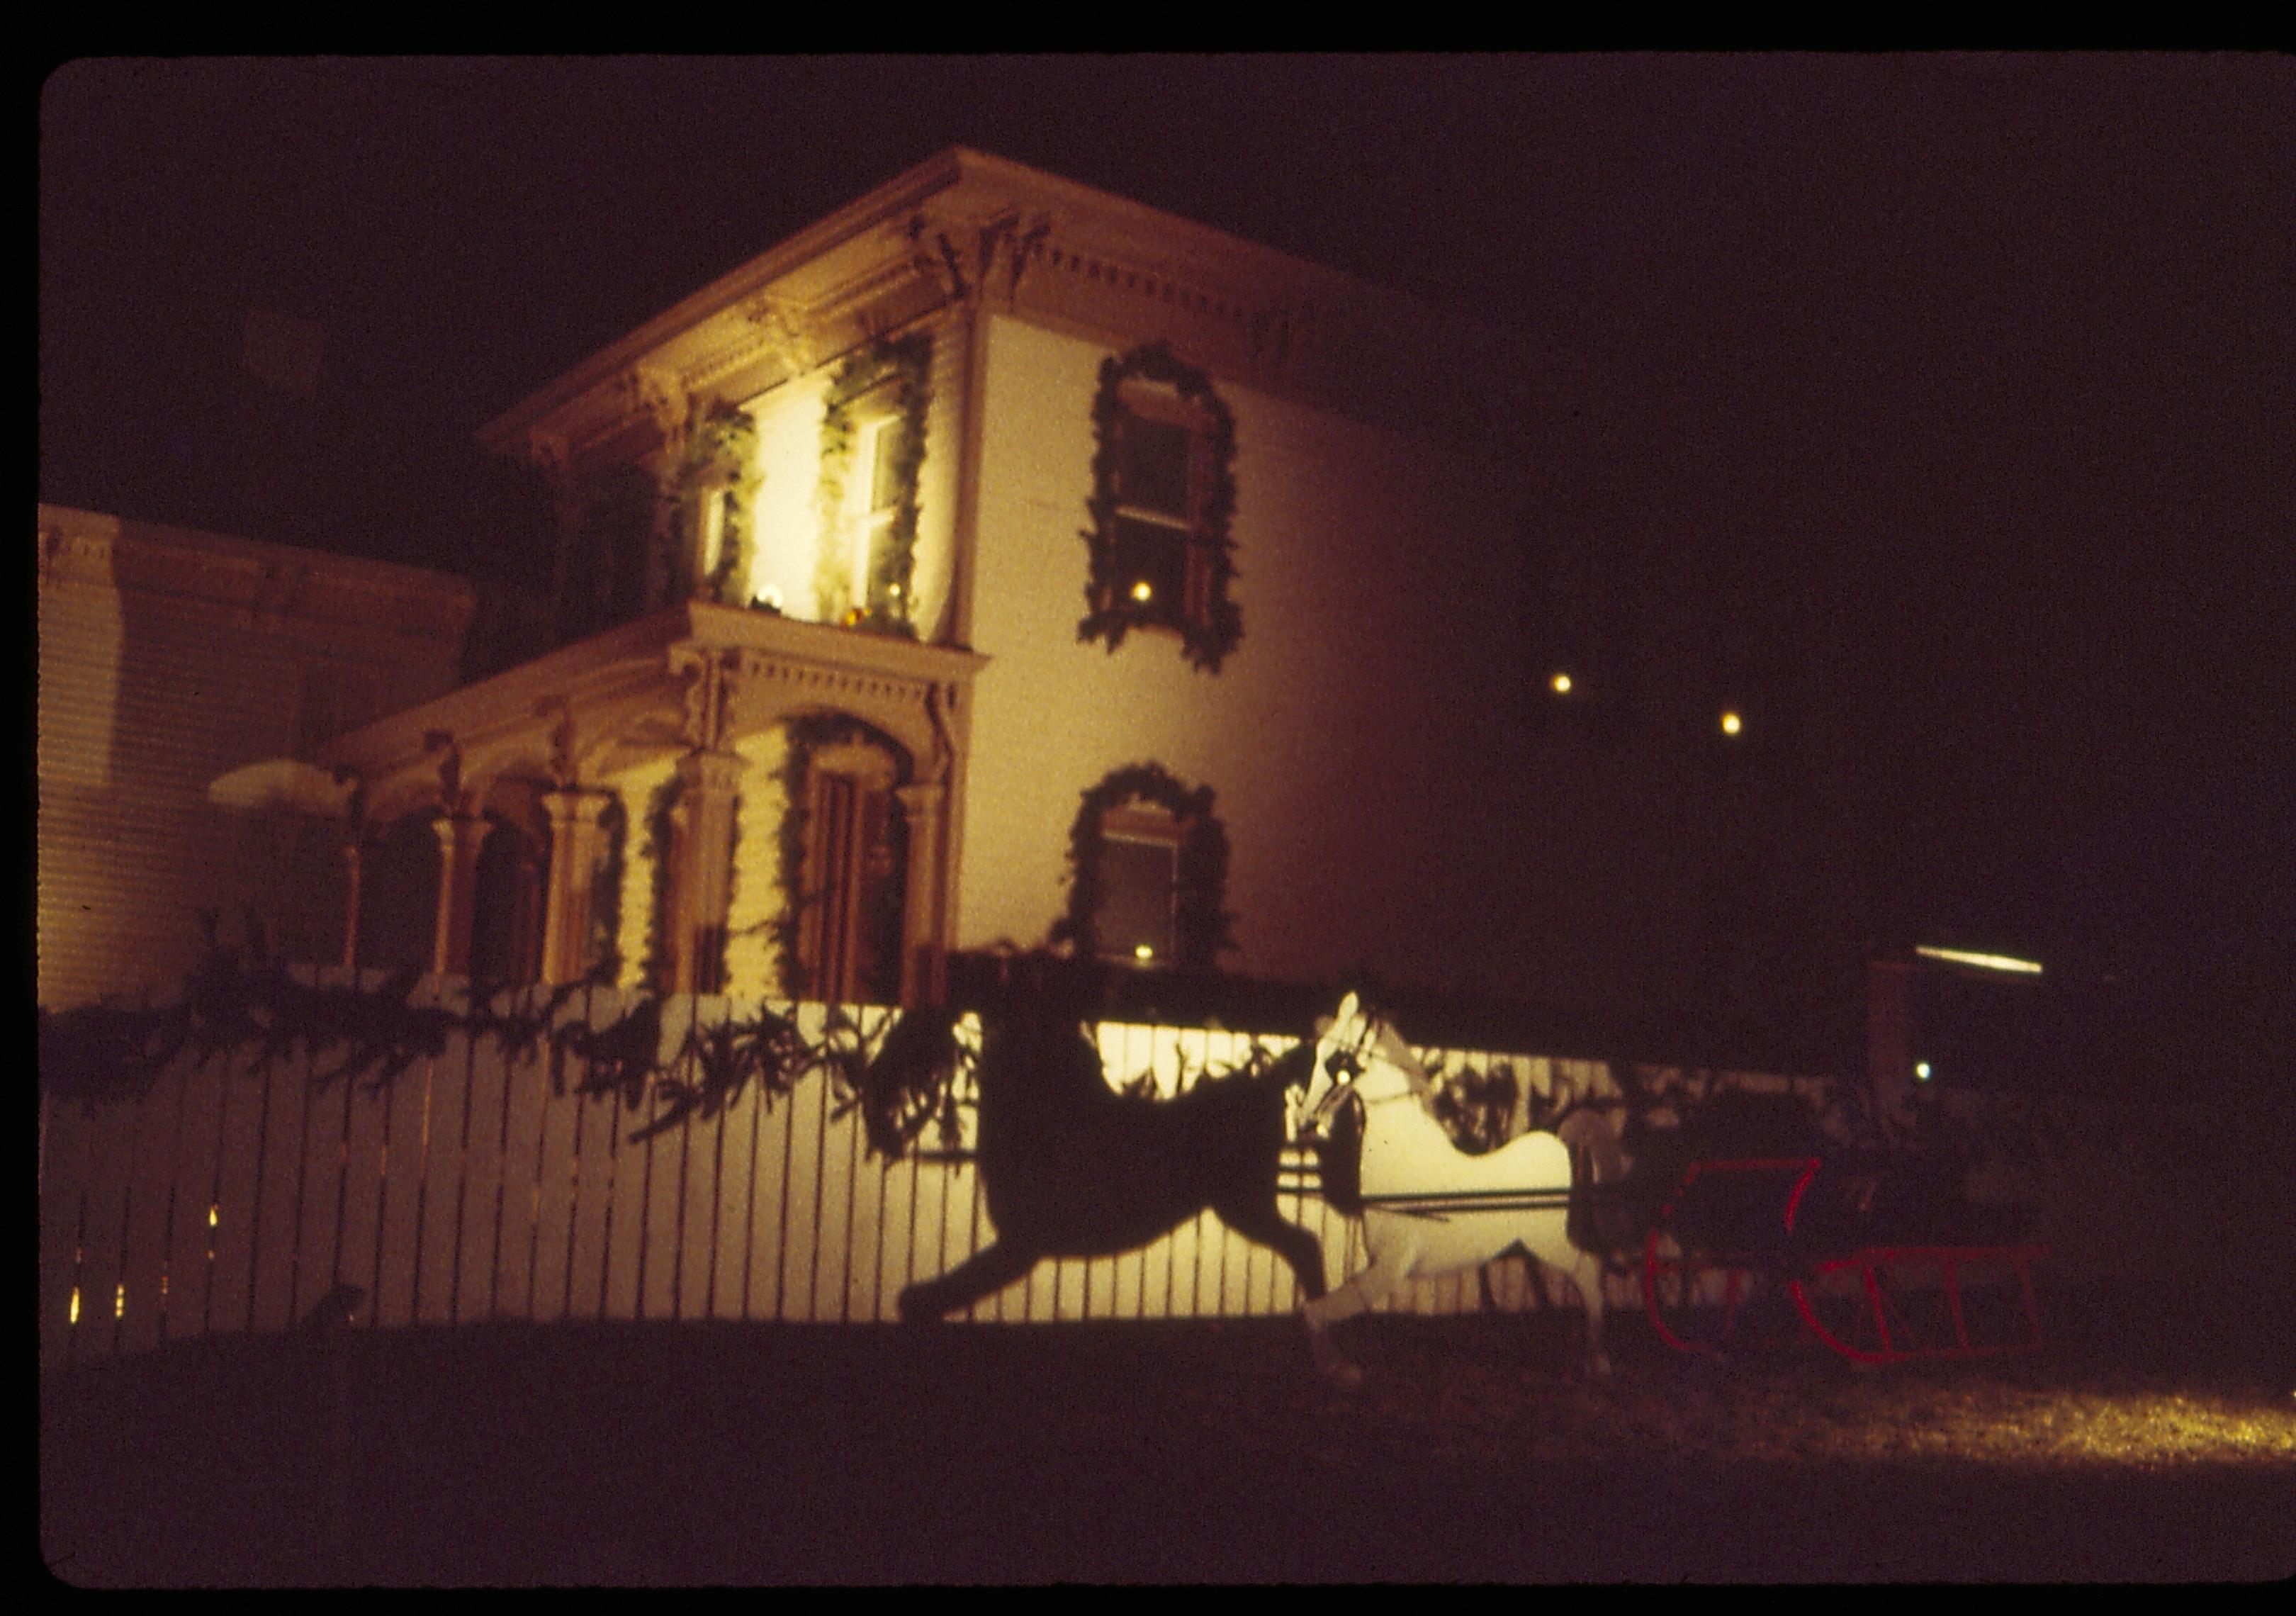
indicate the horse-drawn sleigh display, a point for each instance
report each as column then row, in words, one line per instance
column 1732, row 1251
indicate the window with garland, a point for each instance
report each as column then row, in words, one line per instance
column 1148, row 873
column 1162, row 493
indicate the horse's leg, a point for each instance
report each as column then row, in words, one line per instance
column 1553, row 1250
column 1390, row 1267
column 1263, row 1222
column 1588, row 1276
column 983, row 1273
column 1260, row 1221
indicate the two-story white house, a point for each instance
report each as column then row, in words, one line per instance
column 994, row 560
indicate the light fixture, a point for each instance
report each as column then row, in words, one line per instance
column 1559, row 684
column 1731, row 722
column 1141, row 591
column 1143, row 951
column 1921, row 1072
column 1983, row 962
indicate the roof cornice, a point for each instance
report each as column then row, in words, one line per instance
column 966, row 226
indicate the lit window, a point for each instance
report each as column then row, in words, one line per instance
column 1148, row 873
column 1139, row 885
column 1161, row 571
column 880, row 493
column 1160, row 503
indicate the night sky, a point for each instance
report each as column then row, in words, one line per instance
column 1947, row 401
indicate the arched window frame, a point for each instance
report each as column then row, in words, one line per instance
column 1200, row 921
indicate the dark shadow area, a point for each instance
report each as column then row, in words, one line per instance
column 679, row 1454
column 1071, row 1167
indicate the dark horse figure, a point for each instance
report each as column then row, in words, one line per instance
column 1070, row 1168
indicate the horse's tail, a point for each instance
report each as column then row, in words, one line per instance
column 1600, row 1220
column 1589, row 1131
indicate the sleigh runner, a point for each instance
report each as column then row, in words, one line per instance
column 1716, row 1282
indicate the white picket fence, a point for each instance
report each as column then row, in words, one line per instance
column 472, row 1187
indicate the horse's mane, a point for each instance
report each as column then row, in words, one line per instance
column 1398, row 1055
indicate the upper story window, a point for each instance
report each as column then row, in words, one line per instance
column 873, row 447
column 1163, row 492
column 879, row 494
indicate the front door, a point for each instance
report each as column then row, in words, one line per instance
column 850, row 934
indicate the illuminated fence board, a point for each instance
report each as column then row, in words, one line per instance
column 482, row 1184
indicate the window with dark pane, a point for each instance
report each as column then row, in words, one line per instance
column 1152, row 473
column 1139, row 879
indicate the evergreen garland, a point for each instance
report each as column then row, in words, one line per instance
column 904, row 367
column 1201, row 926
column 718, row 465
column 660, row 839
column 604, row 947
column 255, row 1010
column 1108, row 615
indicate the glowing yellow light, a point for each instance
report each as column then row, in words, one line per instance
column 1983, row 962
column 1561, row 684
column 75, row 1305
column 1921, row 1072
column 894, row 590
column 1141, row 591
column 1732, row 723
column 213, row 1214
column 1143, row 951
column 120, row 1302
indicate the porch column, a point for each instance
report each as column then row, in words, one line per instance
column 460, row 838
column 702, row 878
column 575, row 847
column 924, row 965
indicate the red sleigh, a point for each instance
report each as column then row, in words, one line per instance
column 1735, row 1262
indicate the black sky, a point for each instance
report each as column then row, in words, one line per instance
column 1952, row 394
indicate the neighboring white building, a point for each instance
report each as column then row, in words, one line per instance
column 169, row 658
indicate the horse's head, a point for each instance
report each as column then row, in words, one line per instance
column 1346, row 1043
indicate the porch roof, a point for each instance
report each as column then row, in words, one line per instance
column 694, row 677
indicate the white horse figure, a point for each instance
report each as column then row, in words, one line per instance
column 1429, row 1208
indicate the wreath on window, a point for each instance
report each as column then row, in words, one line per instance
column 1108, row 616
column 904, row 367
column 1199, row 925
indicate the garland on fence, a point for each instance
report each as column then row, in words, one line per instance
column 251, row 1007
column 1109, row 613
column 904, row 369
column 916, row 1074
column 1201, row 927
